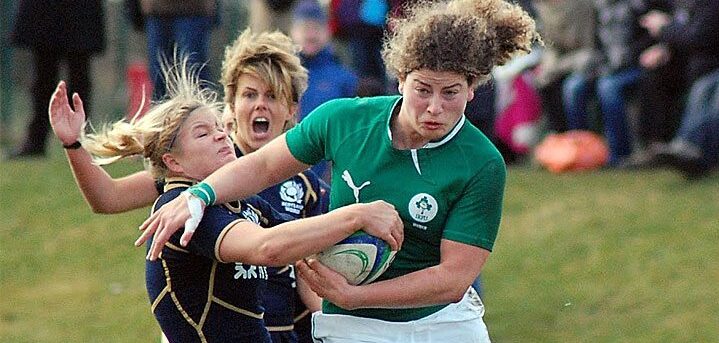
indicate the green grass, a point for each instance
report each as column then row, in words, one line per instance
column 593, row 257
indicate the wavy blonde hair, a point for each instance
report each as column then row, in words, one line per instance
column 154, row 134
column 269, row 56
column 467, row 37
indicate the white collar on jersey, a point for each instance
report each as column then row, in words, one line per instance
column 429, row 145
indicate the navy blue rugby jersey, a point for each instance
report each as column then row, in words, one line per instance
column 195, row 296
column 303, row 195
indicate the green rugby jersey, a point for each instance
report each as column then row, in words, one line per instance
column 449, row 189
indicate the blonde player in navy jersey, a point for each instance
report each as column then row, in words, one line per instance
column 415, row 151
column 211, row 289
column 263, row 82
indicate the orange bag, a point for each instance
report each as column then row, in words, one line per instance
column 572, row 151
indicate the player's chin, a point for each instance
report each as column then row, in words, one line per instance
column 228, row 158
column 433, row 135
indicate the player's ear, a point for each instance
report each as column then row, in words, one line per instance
column 470, row 94
column 294, row 109
column 172, row 163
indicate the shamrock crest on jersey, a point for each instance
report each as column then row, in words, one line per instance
column 422, row 207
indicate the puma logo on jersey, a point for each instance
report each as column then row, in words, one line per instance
column 355, row 190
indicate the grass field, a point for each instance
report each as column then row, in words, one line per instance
column 600, row 257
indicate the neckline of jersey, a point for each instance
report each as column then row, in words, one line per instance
column 430, row 145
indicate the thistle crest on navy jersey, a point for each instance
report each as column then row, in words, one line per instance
column 292, row 196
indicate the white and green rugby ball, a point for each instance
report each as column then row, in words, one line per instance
column 360, row 258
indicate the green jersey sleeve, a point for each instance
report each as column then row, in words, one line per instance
column 308, row 140
column 474, row 218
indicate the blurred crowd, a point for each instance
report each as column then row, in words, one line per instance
column 643, row 74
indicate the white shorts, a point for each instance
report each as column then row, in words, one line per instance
column 458, row 322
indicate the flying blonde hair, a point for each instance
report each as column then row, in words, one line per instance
column 154, row 134
column 468, row 37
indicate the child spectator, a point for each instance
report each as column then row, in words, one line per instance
column 328, row 78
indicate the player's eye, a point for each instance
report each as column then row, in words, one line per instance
column 422, row 91
column 249, row 95
column 450, row 94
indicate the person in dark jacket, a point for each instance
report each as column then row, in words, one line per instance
column 328, row 77
column 691, row 29
column 612, row 73
column 687, row 35
column 56, row 32
column 185, row 26
column 661, row 86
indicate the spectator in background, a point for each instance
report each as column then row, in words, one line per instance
column 620, row 40
column 362, row 23
column 186, row 25
column 328, row 78
column 694, row 151
column 569, row 33
column 661, row 86
column 693, row 29
column 493, row 110
column 271, row 15
column 56, row 32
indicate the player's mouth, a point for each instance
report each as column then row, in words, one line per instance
column 260, row 126
column 225, row 150
column 432, row 125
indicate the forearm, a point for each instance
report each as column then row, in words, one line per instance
column 441, row 284
column 426, row 287
column 254, row 172
column 288, row 242
column 105, row 194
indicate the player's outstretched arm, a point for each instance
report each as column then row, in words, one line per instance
column 460, row 264
column 239, row 179
column 103, row 193
column 291, row 241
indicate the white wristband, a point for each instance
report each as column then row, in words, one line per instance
column 196, row 208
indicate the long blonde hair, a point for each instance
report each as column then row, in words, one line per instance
column 468, row 37
column 154, row 134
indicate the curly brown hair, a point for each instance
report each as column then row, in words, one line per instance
column 468, row 37
column 269, row 56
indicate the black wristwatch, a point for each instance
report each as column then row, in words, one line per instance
column 74, row 146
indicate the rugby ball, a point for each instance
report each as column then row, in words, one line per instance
column 360, row 258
